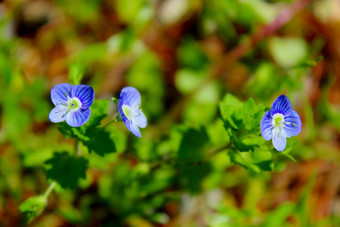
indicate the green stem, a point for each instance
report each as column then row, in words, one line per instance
column 110, row 122
column 77, row 149
column 220, row 149
column 49, row 189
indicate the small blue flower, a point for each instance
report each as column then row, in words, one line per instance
column 72, row 104
column 128, row 106
column 280, row 122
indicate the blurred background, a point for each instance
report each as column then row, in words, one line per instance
column 183, row 56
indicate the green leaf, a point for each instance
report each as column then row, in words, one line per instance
column 242, row 121
column 76, row 133
column 289, row 156
column 229, row 104
column 84, row 133
column 256, row 161
column 193, row 144
column 217, row 133
column 242, row 159
column 115, row 100
column 288, row 52
column 229, row 107
column 66, row 169
column 99, row 110
column 76, row 73
column 191, row 177
column 33, row 207
column 93, row 137
column 245, row 144
column 280, row 215
column 251, row 115
column 101, row 142
column 266, row 165
column 291, row 142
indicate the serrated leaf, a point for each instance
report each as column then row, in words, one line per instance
column 247, row 143
column 229, row 110
column 93, row 137
column 251, row 115
column 33, row 207
column 66, row 169
column 76, row 133
column 242, row 121
column 236, row 157
column 241, row 146
column 98, row 113
column 101, row 142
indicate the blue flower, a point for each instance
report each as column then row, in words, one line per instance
column 280, row 122
column 72, row 104
column 129, row 110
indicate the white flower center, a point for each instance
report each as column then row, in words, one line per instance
column 131, row 113
column 74, row 104
column 278, row 120
column 127, row 111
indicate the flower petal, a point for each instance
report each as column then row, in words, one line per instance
column 281, row 105
column 140, row 120
column 130, row 96
column 79, row 117
column 293, row 125
column 85, row 94
column 279, row 139
column 61, row 93
column 133, row 128
column 59, row 113
column 120, row 107
column 266, row 126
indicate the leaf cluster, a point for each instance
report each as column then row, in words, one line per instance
column 95, row 138
column 242, row 122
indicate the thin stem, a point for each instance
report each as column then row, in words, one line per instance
column 49, row 189
column 110, row 122
column 176, row 161
column 220, row 149
column 77, row 149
